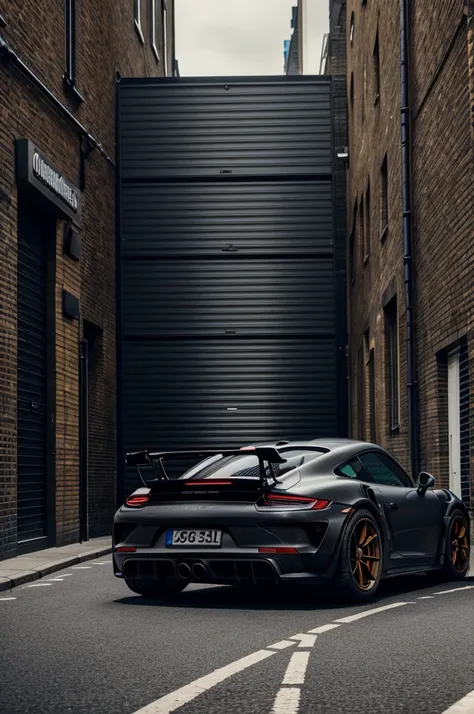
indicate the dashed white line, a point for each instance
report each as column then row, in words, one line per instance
column 287, row 701
column 296, row 670
column 99, row 563
column 282, row 645
column 323, row 628
column 38, row 585
column 305, row 640
column 56, row 580
column 7, row 598
column 426, row 597
column 360, row 615
column 454, row 590
column 463, row 706
column 80, row 567
column 185, row 694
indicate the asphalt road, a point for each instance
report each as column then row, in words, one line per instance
column 82, row 644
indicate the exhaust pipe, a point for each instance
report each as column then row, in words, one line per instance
column 199, row 571
column 183, row 571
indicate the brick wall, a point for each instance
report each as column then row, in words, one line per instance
column 106, row 43
column 443, row 184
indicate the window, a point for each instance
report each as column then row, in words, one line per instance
column 352, row 469
column 376, row 70
column 164, row 22
column 70, row 74
column 384, row 470
column 384, row 199
column 368, row 225
column 153, row 29
column 393, row 367
column 247, row 465
column 351, row 30
column 371, row 365
column 137, row 10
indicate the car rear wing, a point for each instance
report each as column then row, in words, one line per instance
column 268, row 454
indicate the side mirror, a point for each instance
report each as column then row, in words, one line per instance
column 425, row 481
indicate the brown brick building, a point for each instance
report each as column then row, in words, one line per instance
column 435, row 429
column 58, row 70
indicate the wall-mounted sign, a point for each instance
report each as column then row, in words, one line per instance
column 37, row 175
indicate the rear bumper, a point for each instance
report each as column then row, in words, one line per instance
column 224, row 569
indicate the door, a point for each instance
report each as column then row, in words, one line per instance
column 454, row 423
column 84, row 440
column 414, row 521
column 33, row 234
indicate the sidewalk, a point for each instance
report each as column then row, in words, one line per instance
column 25, row 568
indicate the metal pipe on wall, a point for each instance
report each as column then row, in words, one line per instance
column 407, row 236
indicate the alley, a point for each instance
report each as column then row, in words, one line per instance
column 81, row 643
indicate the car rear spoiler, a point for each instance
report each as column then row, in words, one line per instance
column 143, row 458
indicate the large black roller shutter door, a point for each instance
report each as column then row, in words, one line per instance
column 32, row 376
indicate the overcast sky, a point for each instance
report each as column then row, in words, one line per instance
column 243, row 37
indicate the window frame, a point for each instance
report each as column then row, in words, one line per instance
column 392, row 338
column 164, row 25
column 376, row 65
column 70, row 74
column 384, row 205
column 137, row 18
column 153, row 31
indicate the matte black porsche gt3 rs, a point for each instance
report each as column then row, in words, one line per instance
column 338, row 512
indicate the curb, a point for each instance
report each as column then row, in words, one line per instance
column 8, row 583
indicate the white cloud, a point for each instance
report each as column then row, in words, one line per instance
column 243, row 37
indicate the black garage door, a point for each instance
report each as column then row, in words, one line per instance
column 228, row 295
column 32, row 375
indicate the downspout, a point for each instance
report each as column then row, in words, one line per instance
column 408, row 238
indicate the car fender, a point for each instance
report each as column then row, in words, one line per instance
column 453, row 504
column 361, row 505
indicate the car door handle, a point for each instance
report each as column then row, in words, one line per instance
column 393, row 506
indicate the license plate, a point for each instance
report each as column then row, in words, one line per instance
column 179, row 537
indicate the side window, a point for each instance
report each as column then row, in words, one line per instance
column 384, row 471
column 352, row 469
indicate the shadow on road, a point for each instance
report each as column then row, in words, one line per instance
column 303, row 598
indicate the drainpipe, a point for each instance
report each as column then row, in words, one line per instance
column 407, row 238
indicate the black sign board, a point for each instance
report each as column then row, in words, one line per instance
column 37, row 176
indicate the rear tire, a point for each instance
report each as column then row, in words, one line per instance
column 457, row 550
column 360, row 559
column 160, row 590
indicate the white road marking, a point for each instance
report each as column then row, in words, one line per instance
column 80, row 567
column 360, row 615
column 185, row 694
column 463, row 706
column 66, row 575
column 454, row 590
column 426, row 597
column 323, row 628
column 38, row 585
column 296, row 670
column 287, row 701
column 305, row 640
column 56, row 580
column 99, row 563
column 7, row 598
column 282, row 645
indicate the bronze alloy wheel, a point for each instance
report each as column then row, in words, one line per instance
column 459, row 544
column 365, row 554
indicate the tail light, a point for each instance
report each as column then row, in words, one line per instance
column 282, row 500
column 138, row 498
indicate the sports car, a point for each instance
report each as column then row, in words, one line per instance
column 340, row 513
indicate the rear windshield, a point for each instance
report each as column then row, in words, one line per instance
column 246, row 466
